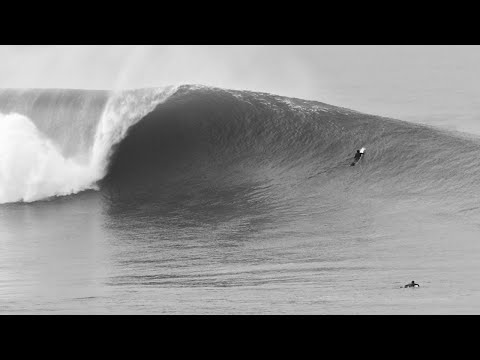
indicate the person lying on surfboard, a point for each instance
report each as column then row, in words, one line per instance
column 412, row 284
column 358, row 155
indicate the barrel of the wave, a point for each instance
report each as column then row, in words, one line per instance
column 37, row 160
column 122, row 111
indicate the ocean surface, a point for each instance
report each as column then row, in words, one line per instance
column 201, row 200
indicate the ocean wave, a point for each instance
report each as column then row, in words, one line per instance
column 160, row 144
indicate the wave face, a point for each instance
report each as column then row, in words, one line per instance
column 209, row 147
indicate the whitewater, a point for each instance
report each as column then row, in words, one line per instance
column 196, row 199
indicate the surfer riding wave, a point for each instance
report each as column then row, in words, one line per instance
column 358, row 156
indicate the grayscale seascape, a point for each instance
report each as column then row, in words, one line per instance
column 227, row 188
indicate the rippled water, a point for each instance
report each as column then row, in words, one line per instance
column 71, row 255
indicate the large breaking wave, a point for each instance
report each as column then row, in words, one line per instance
column 163, row 144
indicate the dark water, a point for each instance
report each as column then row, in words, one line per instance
column 238, row 202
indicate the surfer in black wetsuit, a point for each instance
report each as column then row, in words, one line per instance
column 357, row 156
column 412, row 284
